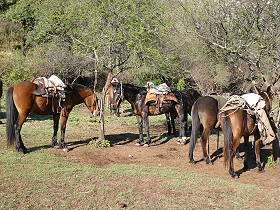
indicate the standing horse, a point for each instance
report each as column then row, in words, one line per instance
column 238, row 123
column 204, row 112
column 115, row 106
column 22, row 99
column 136, row 97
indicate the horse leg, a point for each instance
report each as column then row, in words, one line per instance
column 246, row 144
column 167, row 116
column 19, row 143
column 55, row 129
column 204, row 139
column 182, row 121
column 140, row 127
column 147, row 127
column 173, row 124
column 236, row 143
column 63, row 120
column 258, row 144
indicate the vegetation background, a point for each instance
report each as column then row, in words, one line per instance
column 214, row 46
column 211, row 45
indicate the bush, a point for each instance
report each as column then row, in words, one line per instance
column 181, row 85
column 99, row 143
column 17, row 70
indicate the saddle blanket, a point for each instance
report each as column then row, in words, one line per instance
column 254, row 100
column 160, row 89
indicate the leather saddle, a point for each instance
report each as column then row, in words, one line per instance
column 52, row 87
column 159, row 94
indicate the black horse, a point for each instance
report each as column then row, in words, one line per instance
column 136, row 97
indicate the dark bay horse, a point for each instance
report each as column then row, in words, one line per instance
column 22, row 99
column 136, row 97
column 238, row 123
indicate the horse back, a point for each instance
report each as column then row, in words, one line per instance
column 26, row 100
column 207, row 108
column 23, row 95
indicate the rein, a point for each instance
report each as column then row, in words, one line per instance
column 121, row 98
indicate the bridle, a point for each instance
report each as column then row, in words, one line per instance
column 269, row 100
column 120, row 98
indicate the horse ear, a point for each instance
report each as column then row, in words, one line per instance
column 269, row 90
column 257, row 90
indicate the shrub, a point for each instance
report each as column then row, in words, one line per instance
column 181, row 85
column 100, row 143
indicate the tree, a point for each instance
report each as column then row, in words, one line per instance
column 241, row 34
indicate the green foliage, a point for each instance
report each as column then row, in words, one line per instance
column 24, row 12
column 181, row 85
column 18, row 71
column 143, row 79
column 271, row 162
column 100, row 143
column 165, row 41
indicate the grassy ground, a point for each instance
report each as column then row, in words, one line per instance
column 42, row 179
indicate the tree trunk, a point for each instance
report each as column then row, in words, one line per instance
column 102, row 102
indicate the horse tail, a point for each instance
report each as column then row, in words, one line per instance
column 195, row 128
column 228, row 140
column 11, row 116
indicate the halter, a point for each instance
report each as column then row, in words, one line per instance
column 121, row 98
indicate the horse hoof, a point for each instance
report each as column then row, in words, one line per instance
column 146, row 145
column 238, row 157
column 192, row 162
column 65, row 150
column 183, row 142
column 235, row 175
column 22, row 150
column 208, row 162
column 138, row 144
column 261, row 170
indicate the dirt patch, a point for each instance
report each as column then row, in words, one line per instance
column 165, row 152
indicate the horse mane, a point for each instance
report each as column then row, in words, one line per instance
column 134, row 87
column 74, row 86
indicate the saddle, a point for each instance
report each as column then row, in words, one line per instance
column 51, row 87
column 159, row 94
column 232, row 103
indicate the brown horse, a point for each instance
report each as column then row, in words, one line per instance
column 204, row 112
column 238, row 123
column 22, row 99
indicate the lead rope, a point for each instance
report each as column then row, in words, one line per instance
column 218, row 139
column 121, row 98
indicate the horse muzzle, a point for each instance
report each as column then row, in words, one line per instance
column 95, row 113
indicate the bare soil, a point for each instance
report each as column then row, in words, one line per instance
column 166, row 152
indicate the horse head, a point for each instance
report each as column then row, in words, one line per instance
column 91, row 101
column 117, row 99
column 267, row 95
